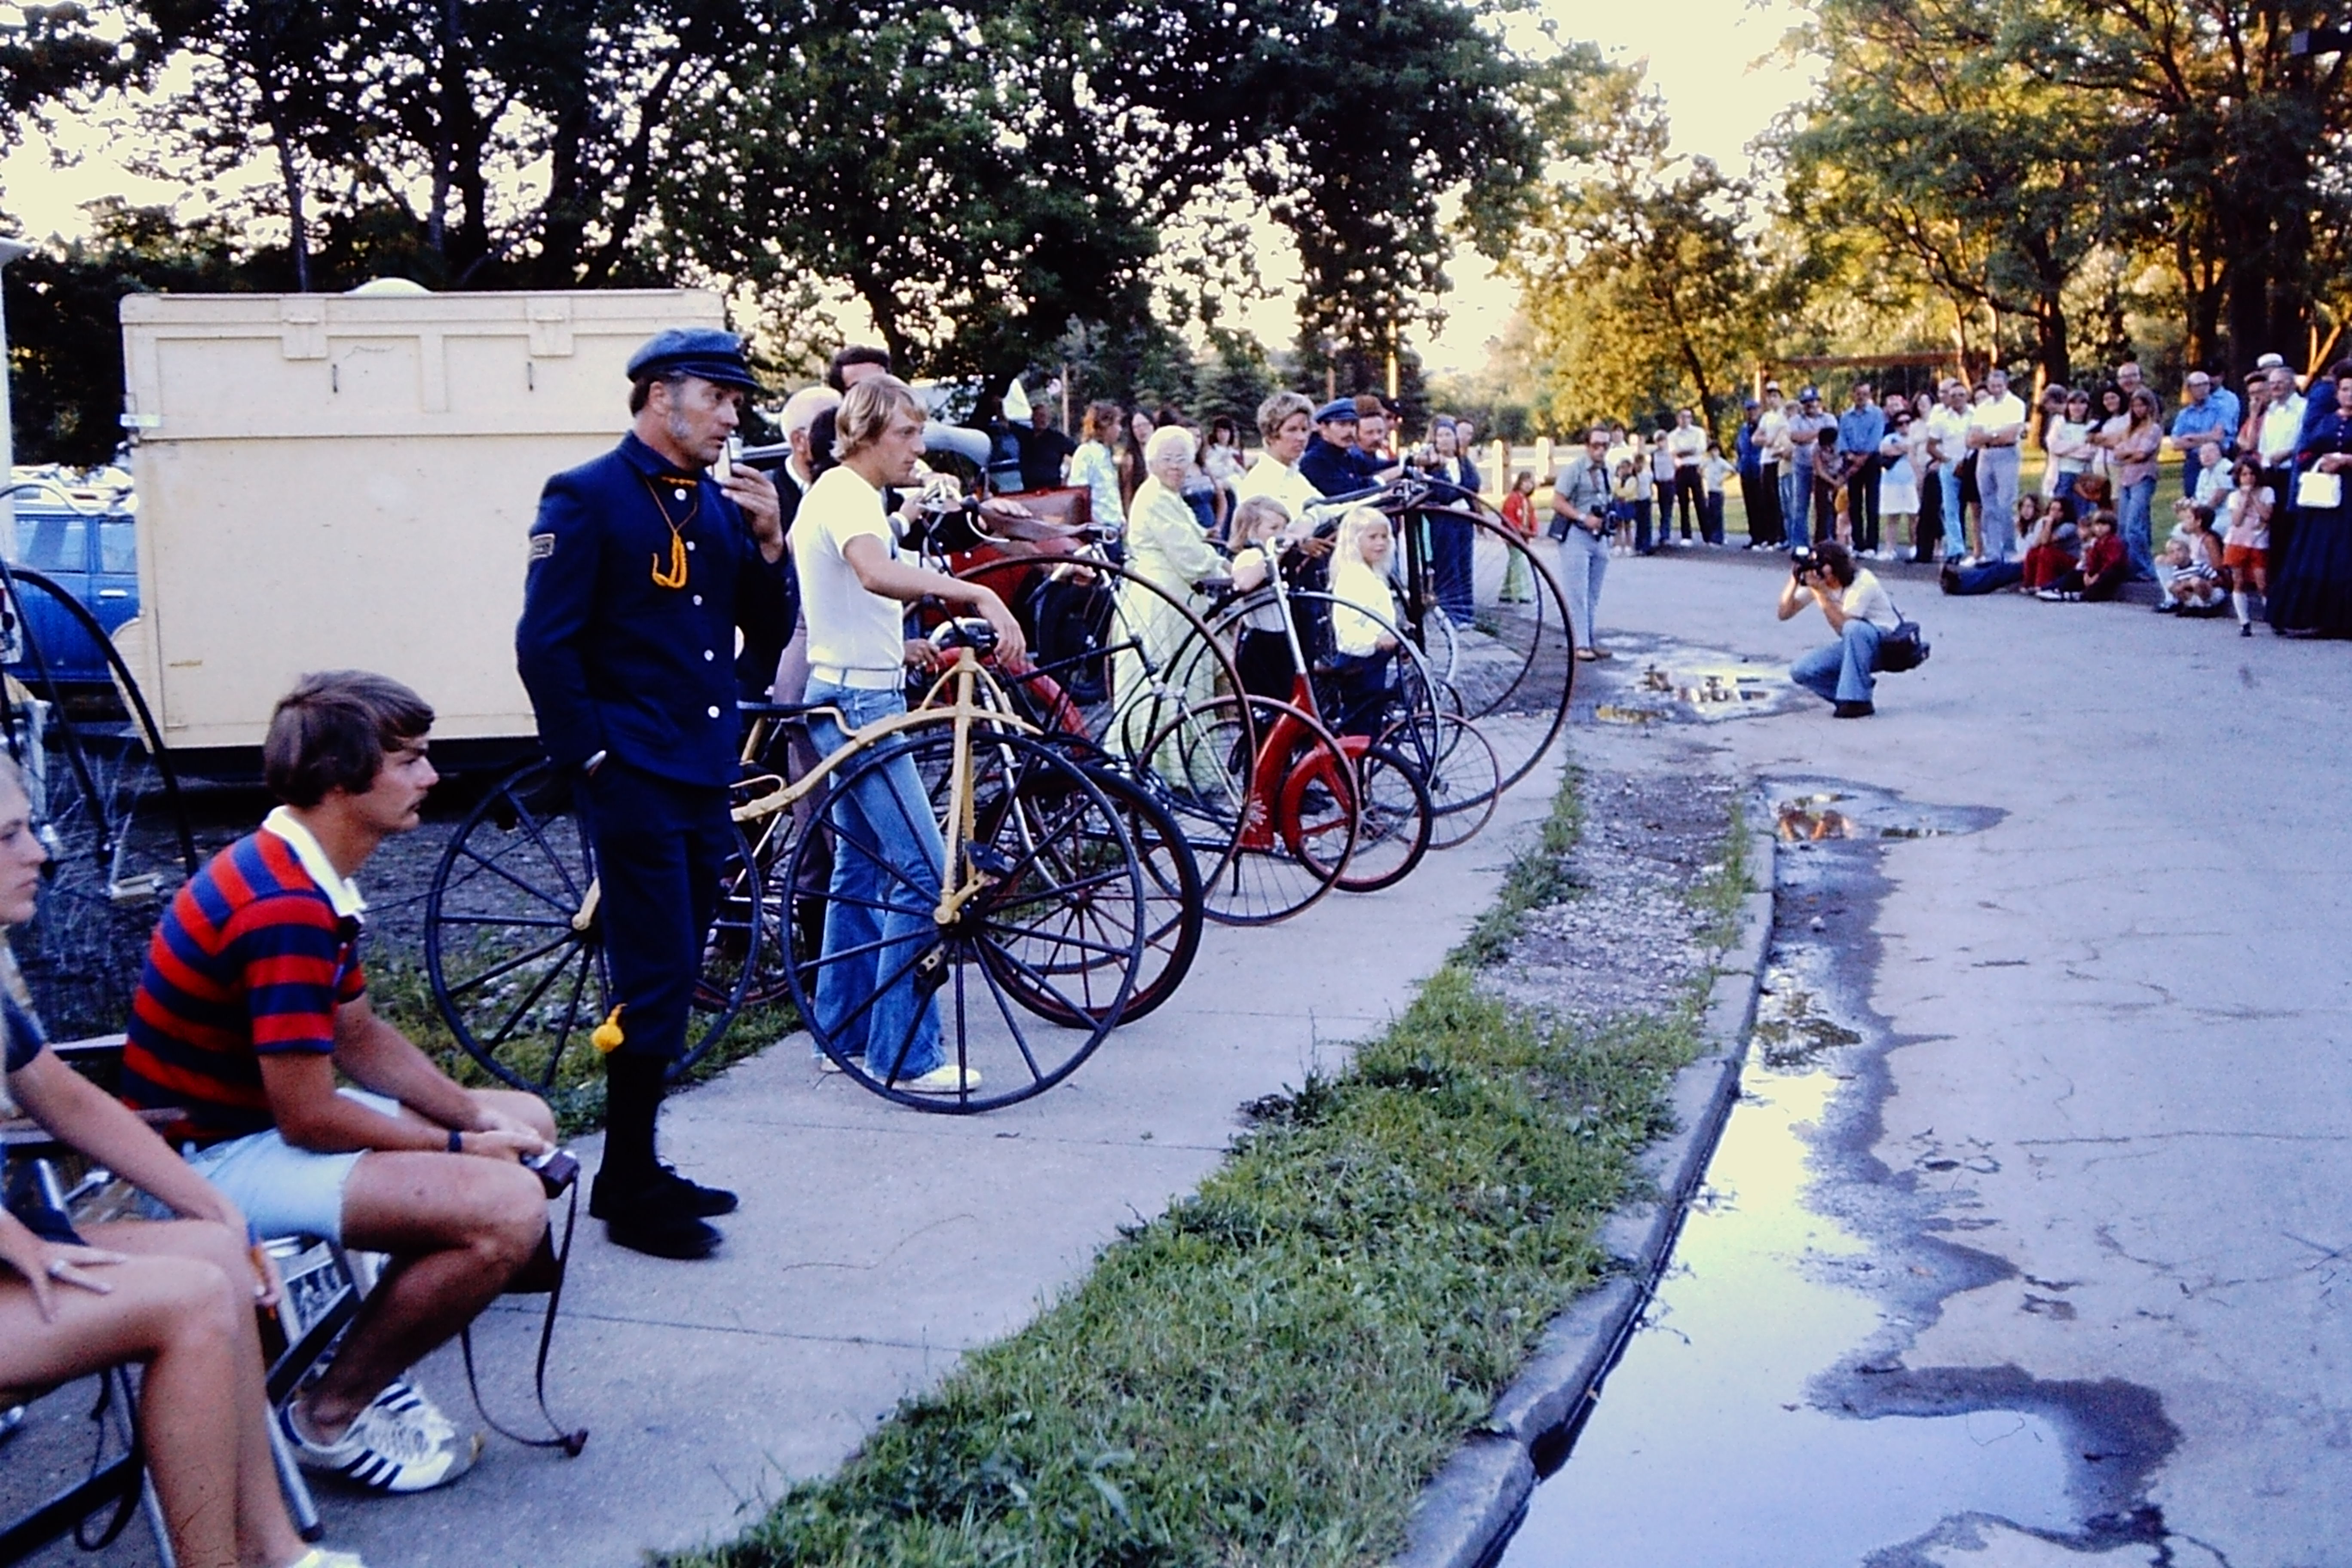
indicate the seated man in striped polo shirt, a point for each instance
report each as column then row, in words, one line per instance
column 253, row 998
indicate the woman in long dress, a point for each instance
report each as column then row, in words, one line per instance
column 2313, row 592
column 1159, row 659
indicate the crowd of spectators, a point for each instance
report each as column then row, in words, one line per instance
column 2262, row 528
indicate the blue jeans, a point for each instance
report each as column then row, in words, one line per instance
column 1583, row 562
column 2132, row 504
column 1997, row 487
column 886, row 863
column 1956, row 527
column 1796, row 497
column 1842, row 671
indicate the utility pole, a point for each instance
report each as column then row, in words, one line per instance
column 10, row 249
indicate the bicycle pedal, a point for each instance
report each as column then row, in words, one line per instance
column 931, row 970
column 989, row 858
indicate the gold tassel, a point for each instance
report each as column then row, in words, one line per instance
column 607, row 1036
column 676, row 578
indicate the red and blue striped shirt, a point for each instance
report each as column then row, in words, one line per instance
column 251, row 959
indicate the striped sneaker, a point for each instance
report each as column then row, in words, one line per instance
column 408, row 1405
column 383, row 1452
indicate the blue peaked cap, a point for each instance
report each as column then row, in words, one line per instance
column 706, row 351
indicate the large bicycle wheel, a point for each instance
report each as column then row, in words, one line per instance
column 1387, row 800
column 1173, row 916
column 106, row 804
column 514, row 941
column 1514, row 665
column 1056, row 894
column 1232, row 756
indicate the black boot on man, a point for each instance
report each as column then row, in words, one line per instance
column 646, row 1207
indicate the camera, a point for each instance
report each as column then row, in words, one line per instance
column 556, row 1170
column 1802, row 563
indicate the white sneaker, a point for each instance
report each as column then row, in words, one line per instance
column 408, row 1404
column 320, row 1557
column 945, row 1078
column 382, row 1452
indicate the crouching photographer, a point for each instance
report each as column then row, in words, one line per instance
column 1858, row 608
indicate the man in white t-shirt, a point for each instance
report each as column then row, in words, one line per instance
column 853, row 594
column 1996, row 430
column 1686, row 445
column 1772, row 449
column 1859, row 609
column 1948, row 443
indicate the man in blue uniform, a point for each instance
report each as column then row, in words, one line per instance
column 1331, row 462
column 642, row 566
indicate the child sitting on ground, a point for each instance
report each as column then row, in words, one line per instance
column 2049, row 552
column 2100, row 573
column 2188, row 571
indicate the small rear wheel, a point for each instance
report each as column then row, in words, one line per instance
column 1219, row 768
column 1390, row 806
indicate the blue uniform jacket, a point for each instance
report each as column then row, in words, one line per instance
column 614, row 662
column 1336, row 471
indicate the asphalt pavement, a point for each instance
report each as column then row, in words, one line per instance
column 2116, row 1107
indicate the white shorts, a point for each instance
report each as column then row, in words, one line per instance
column 286, row 1191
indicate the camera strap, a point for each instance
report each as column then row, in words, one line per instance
column 545, row 1272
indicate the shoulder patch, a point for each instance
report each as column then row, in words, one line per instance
column 542, row 546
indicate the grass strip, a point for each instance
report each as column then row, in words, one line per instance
column 401, row 995
column 1270, row 1372
column 1537, row 877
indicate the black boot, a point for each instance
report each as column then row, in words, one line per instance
column 644, row 1208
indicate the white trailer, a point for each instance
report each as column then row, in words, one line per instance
column 335, row 481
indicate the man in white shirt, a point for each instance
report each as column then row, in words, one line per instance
column 1686, row 444
column 1996, row 427
column 1773, row 448
column 1859, row 609
column 854, row 593
column 2280, row 426
column 1947, row 433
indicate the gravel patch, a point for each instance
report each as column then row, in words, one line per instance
column 1629, row 937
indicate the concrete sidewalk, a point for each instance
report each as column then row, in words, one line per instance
column 876, row 1244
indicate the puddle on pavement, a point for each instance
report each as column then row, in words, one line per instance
column 1656, row 679
column 1731, row 1433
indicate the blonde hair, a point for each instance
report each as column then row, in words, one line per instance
column 1276, row 411
column 1360, row 522
column 1247, row 515
column 865, row 412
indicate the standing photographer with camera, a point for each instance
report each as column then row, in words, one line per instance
column 1581, row 522
column 1857, row 608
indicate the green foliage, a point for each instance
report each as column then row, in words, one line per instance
column 1642, row 289
column 1269, row 1372
column 2023, row 158
column 65, row 339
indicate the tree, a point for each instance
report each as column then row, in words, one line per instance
column 65, row 337
column 1643, row 292
column 2005, row 146
column 1928, row 136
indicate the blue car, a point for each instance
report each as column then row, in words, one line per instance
column 90, row 548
